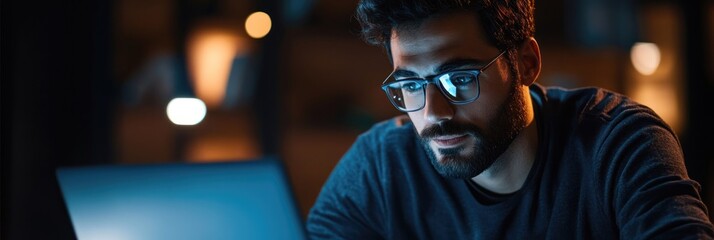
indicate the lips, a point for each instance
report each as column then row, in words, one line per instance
column 446, row 141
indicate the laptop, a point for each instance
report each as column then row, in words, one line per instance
column 181, row 201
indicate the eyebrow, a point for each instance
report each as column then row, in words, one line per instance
column 445, row 67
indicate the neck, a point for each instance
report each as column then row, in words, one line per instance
column 509, row 172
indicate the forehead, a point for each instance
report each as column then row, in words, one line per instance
column 422, row 47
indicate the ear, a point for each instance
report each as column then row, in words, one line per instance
column 529, row 61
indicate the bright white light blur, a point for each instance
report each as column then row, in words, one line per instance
column 186, row 111
column 258, row 24
column 645, row 57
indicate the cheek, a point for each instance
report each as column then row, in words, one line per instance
column 418, row 120
column 485, row 106
column 479, row 113
column 474, row 114
column 494, row 91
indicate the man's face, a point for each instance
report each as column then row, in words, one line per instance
column 462, row 140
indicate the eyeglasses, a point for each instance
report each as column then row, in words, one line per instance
column 459, row 86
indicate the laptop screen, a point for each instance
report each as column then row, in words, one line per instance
column 229, row 200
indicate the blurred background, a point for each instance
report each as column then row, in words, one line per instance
column 153, row 81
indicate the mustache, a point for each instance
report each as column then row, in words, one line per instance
column 447, row 128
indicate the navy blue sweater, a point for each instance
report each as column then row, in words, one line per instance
column 606, row 168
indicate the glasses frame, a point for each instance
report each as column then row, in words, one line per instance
column 434, row 80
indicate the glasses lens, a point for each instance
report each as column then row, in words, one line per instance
column 460, row 86
column 407, row 95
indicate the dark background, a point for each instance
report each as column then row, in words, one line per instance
column 65, row 66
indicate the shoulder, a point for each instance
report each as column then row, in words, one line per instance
column 592, row 104
column 384, row 140
column 593, row 111
column 351, row 202
column 598, row 125
column 397, row 130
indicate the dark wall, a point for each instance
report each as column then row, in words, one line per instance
column 696, row 140
column 56, row 107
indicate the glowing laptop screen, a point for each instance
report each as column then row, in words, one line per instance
column 231, row 200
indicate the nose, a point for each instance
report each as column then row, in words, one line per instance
column 437, row 108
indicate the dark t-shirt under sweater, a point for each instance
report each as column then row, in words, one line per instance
column 606, row 168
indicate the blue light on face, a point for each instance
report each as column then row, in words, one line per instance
column 448, row 86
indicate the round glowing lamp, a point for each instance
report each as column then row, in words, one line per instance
column 258, row 24
column 645, row 57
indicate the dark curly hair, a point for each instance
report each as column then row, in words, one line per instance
column 506, row 22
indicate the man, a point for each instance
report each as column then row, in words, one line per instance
column 494, row 155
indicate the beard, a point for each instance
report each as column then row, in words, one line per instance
column 489, row 143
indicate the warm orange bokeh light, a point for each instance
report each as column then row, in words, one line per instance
column 210, row 55
column 645, row 57
column 663, row 99
column 258, row 24
column 221, row 148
